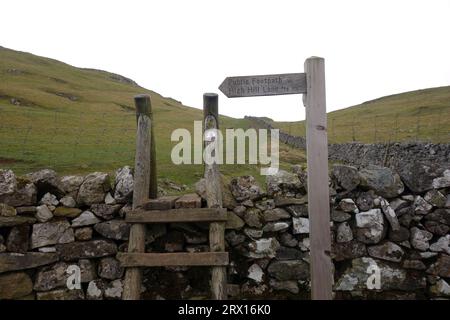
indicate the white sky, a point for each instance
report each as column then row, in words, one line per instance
column 184, row 48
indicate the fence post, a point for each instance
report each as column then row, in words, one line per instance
column 318, row 192
column 214, row 198
column 142, row 174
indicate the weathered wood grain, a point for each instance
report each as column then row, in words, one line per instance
column 318, row 192
column 264, row 85
column 214, row 199
column 142, row 176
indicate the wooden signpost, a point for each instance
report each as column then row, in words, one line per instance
column 312, row 84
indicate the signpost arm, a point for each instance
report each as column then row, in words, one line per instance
column 318, row 192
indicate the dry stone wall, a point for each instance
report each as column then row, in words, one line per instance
column 385, row 224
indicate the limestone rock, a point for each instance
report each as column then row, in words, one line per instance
column 275, row 226
column 346, row 176
column 263, row 248
column 61, row 294
column 344, row 233
column 382, row 180
column 18, row 239
column 46, row 180
column 419, row 176
column 233, row 221
column 253, row 218
column 421, row 207
column 83, row 233
column 255, row 273
column 15, row 221
column 298, row 210
column 402, row 234
column 114, row 289
column 442, row 245
column 68, row 202
column 300, row 225
column 234, row 238
column 25, row 192
column 370, row 226
column 245, row 187
column 253, row 233
column 71, row 184
column 86, row 250
column 288, row 285
column 50, row 233
column 43, row 213
column 440, row 289
column 123, row 190
column 7, row 211
column 109, row 268
column 95, row 290
column 67, row 212
column 420, row 239
column 289, row 270
column 93, row 189
column 8, row 182
column 348, row 205
column 285, row 253
column 288, row 240
column 365, row 200
column 49, row 200
column 275, row 214
column 105, row 211
column 56, row 276
column 87, row 218
column 340, row 216
column 29, row 260
column 190, row 200
column 390, row 214
column 387, row 251
column 348, row 250
column 441, row 216
column 441, row 267
column 283, row 183
column 109, row 199
column 15, row 285
column 442, row 182
column 113, row 229
column 357, row 277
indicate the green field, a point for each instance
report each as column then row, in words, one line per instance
column 422, row 115
column 77, row 120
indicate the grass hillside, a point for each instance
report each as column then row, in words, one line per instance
column 422, row 115
column 75, row 120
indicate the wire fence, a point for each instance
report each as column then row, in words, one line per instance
column 32, row 139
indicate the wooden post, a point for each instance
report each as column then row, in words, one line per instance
column 142, row 176
column 214, row 199
column 318, row 192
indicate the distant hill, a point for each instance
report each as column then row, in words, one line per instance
column 80, row 120
column 417, row 115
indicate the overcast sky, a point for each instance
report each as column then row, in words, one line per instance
column 184, row 48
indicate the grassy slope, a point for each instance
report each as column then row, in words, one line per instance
column 94, row 132
column 422, row 114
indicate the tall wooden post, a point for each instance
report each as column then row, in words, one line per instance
column 142, row 176
column 214, row 198
column 318, row 192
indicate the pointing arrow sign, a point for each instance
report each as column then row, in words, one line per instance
column 264, row 85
